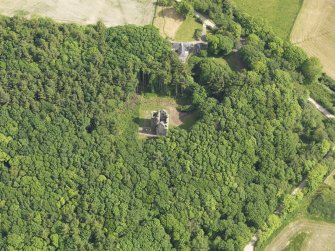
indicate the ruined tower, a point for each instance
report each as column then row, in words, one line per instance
column 160, row 122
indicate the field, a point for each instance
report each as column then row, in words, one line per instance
column 296, row 242
column 168, row 21
column 313, row 227
column 314, row 32
column 320, row 236
column 110, row 12
column 187, row 29
column 280, row 14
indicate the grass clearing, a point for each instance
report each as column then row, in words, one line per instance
column 111, row 13
column 168, row 21
column 313, row 31
column 187, row 29
column 152, row 102
column 280, row 14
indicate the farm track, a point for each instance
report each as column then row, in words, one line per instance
column 314, row 32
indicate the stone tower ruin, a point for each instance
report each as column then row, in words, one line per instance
column 160, row 122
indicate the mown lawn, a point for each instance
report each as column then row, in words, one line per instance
column 187, row 29
column 280, row 14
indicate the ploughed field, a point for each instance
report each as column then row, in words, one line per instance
column 314, row 32
column 110, row 12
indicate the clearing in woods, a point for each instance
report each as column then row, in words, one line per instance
column 280, row 14
column 152, row 102
column 314, row 32
column 320, row 236
column 110, row 12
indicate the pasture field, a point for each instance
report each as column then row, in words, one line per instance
column 319, row 236
column 296, row 242
column 314, row 32
column 280, row 14
column 110, row 12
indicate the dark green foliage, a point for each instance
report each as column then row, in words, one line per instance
column 213, row 75
column 165, row 2
column 323, row 205
column 74, row 176
column 329, row 82
column 184, row 8
column 219, row 44
column 312, row 70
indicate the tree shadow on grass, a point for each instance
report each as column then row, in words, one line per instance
column 170, row 12
column 235, row 61
column 142, row 122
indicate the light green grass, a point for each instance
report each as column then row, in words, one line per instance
column 187, row 29
column 153, row 102
column 296, row 242
column 280, row 14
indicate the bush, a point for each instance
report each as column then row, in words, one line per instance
column 323, row 205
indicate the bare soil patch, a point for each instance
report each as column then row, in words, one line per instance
column 320, row 236
column 110, row 12
column 168, row 21
column 314, row 31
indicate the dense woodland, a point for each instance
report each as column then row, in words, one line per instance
column 74, row 175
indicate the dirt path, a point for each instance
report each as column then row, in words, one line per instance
column 168, row 21
column 320, row 238
column 207, row 22
column 314, row 31
column 321, row 108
